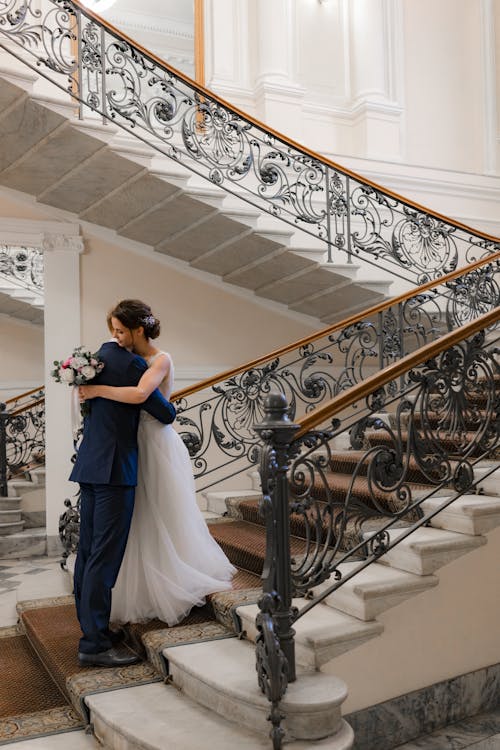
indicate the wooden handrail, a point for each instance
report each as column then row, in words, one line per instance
column 203, row 384
column 288, row 141
column 392, row 372
column 27, row 407
column 24, row 395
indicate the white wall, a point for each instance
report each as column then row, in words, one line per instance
column 21, row 357
column 205, row 327
column 445, row 632
column 406, row 93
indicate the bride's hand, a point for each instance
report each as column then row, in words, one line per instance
column 86, row 392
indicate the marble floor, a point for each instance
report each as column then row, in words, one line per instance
column 481, row 732
column 36, row 578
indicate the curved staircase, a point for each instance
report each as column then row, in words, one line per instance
column 106, row 178
column 199, row 682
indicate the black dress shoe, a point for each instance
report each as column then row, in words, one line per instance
column 113, row 657
column 117, row 636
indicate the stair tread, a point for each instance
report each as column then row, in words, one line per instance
column 157, row 714
column 322, row 626
column 235, row 674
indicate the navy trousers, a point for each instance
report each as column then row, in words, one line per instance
column 105, row 516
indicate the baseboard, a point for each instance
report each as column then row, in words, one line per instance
column 402, row 719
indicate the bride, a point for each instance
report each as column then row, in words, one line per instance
column 171, row 561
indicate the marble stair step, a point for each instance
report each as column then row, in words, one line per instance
column 27, row 543
column 9, row 527
column 19, row 486
column 490, row 484
column 10, row 503
column 220, row 675
column 157, row 717
column 427, row 549
column 321, row 635
column 37, row 476
column 11, row 516
column 374, row 590
column 468, row 514
column 219, row 501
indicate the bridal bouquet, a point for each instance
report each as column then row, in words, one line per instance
column 77, row 369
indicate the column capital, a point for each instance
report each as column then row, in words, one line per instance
column 64, row 242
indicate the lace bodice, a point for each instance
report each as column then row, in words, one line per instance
column 167, row 383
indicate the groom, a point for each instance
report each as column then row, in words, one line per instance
column 106, row 468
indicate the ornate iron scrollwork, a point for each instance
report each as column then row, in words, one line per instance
column 271, row 664
column 148, row 98
column 69, row 529
column 23, row 266
column 22, row 442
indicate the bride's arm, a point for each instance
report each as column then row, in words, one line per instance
column 130, row 394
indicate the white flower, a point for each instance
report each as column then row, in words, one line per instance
column 67, row 375
column 77, row 362
column 88, row 372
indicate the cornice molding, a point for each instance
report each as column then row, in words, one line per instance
column 46, row 235
column 58, row 242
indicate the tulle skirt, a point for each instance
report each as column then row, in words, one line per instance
column 171, row 561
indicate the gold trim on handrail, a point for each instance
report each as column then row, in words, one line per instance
column 24, row 395
column 203, row 384
column 258, row 123
column 27, row 407
column 391, row 372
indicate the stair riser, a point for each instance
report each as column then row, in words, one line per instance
column 311, row 726
column 424, row 560
column 370, row 608
column 307, row 656
column 10, row 516
column 13, row 547
column 13, row 503
column 10, row 527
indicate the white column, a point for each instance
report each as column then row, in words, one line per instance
column 489, row 78
column 376, row 76
column 62, row 334
column 230, row 42
column 279, row 96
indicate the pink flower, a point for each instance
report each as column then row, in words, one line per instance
column 66, row 363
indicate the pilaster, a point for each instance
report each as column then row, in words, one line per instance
column 62, row 334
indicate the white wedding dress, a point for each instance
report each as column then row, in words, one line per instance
column 171, row 561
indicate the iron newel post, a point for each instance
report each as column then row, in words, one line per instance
column 277, row 433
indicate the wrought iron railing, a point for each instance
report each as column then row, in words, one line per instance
column 216, row 417
column 22, row 434
column 22, row 266
column 431, row 437
column 110, row 74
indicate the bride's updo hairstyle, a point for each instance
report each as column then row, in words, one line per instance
column 132, row 313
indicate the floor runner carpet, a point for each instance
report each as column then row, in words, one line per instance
column 53, row 633
column 31, row 705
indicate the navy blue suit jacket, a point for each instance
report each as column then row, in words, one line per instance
column 108, row 451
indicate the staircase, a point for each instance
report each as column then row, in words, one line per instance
column 101, row 174
column 21, row 283
column 22, row 523
column 224, row 703
column 106, row 178
column 210, row 689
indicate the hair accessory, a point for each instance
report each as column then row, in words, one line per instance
column 149, row 320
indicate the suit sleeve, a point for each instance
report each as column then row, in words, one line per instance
column 156, row 404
